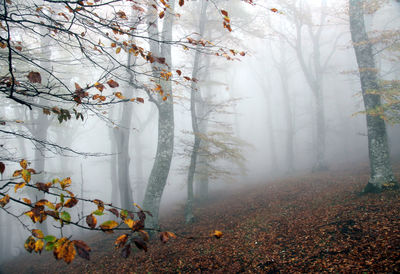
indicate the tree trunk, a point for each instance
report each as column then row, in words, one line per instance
column 379, row 156
column 165, row 144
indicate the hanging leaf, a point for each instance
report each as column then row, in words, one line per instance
column 126, row 251
column 166, row 235
column 121, row 241
column 139, row 99
column 274, row 10
column 99, row 86
column 39, row 244
column 100, row 204
column 30, row 244
column 23, row 164
column 140, row 243
column 119, row 95
column 26, row 200
column 71, row 202
column 34, row 77
column 224, row 13
column 42, row 186
column 5, row 200
column 50, row 238
column 2, row 167
column 179, row 72
column 118, row 50
column 161, row 14
column 112, row 83
column 66, row 182
column 69, row 252
column 114, row 211
column 108, row 225
column 91, row 221
column 65, row 216
column 17, row 173
column 37, row 233
column 18, row 186
column 122, row 15
column 26, row 175
column 181, row 2
column 82, row 248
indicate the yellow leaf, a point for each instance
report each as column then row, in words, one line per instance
column 39, row 246
column 129, row 222
column 119, row 95
column 121, row 240
column 18, row 186
column 66, row 182
column 108, row 225
column 217, row 234
column 23, row 164
column 26, row 175
column 118, row 50
column 5, row 200
column 26, row 200
column 37, row 233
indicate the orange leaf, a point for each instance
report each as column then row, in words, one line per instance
column 141, row 100
column 217, row 234
column 26, row 200
column 91, row 221
column 121, row 241
column 18, row 186
column 71, row 202
column 99, row 86
column 5, row 200
column 224, row 12
column 119, row 95
column 274, row 10
column 161, row 14
column 23, row 164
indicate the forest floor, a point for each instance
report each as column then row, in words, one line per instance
column 312, row 223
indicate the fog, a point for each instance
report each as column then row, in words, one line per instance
column 264, row 118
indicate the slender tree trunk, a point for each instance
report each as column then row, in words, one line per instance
column 165, row 144
column 189, row 217
column 379, row 155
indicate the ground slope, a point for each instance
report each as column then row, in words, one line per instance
column 312, row 223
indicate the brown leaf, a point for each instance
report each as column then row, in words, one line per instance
column 140, row 243
column 42, row 186
column 71, row 202
column 37, row 233
column 179, row 72
column 161, row 14
column 2, row 167
column 82, row 248
column 139, row 99
column 34, row 77
column 114, row 211
column 224, row 12
column 91, row 221
column 126, row 251
column 112, row 83
column 181, row 2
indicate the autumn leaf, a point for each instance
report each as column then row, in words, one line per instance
column 166, row 235
column 161, row 14
column 129, row 222
column 42, row 186
column 30, row 244
column 99, row 86
column 181, row 2
column 126, row 251
column 224, row 13
column 91, row 221
column 65, row 216
column 23, row 164
column 17, row 173
column 82, row 248
column 69, row 252
column 50, row 238
column 37, row 233
column 34, row 77
column 118, row 50
column 119, row 95
column 26, row 175
column 112, row 83
column 179, row 72
column 108, row 225
column 18, row 186
column 139, row 99
column 140, row 243
column 71, row 202
column 5, row 200
column 113, row 45
column 39, row 244
column 100, row 204
column 274, row 10
column 121, row 241
column 114, row 211
column 217, row 234
column 66, row 182
column 121, row 14
column 145, row 236
column 2, row 167
column 26, row 200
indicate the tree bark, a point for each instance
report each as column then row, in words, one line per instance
column 165, row 144
column 379, row 155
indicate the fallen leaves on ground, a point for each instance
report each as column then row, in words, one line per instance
column 312, row 223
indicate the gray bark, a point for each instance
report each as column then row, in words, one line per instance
column 165, row 144
column 189, row 217
column 379, row 154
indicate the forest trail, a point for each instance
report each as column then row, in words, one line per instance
column 312, row 223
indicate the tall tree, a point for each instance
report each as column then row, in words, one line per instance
column 379, row 155
column 164, row 102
